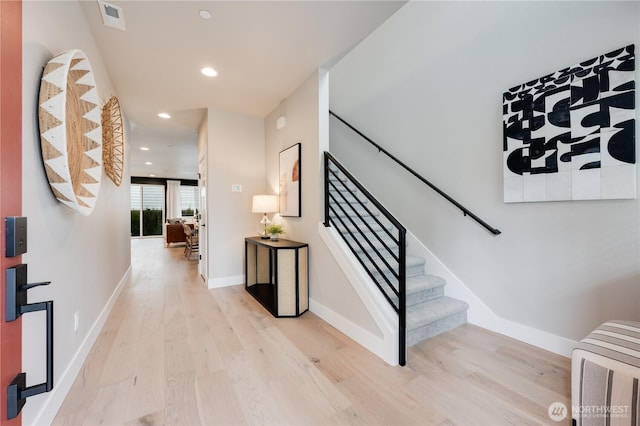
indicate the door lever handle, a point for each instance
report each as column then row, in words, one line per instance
column 28, row 286
column 16, row 305
column 16, row 292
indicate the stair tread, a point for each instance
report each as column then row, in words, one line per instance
column 421, row 288
column 433, row 310
column 420, row 283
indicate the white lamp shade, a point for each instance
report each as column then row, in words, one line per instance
column 264, row 204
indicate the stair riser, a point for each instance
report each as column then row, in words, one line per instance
column 377, row 225
column 344, row 209
column 372, row 235
column 363, row 228
column 346, row 198
column 341, row 185
column 440, row 326
column 359, row 213
column 387, row 252
column 424, row 295
column 378, row 246
column 413, row 271
column 358, row 217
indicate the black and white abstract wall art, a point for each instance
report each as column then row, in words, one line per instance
column 570, row 135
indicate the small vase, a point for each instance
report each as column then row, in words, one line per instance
column 275, row 237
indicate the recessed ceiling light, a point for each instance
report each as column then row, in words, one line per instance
column 148, row 163
column 144, row 148
column 152, row 175
column 164, row 115
column 209, row 72
column 205, row 14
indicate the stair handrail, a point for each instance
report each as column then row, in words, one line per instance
column 465, row 211
column 401, row 245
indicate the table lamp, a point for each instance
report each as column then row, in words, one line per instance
column 264, row 204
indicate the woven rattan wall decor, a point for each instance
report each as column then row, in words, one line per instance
column 71, row 130
column 113, row 140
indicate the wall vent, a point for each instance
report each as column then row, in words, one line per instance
column 112, row 15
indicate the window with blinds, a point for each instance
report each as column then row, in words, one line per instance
column 189, row 200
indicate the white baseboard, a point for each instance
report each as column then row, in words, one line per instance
column 363, row 337
column 480, row 314
column 225, row 281
column 56, row 397
column 533, row 336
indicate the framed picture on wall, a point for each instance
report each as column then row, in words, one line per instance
column 290, row 181
column 570, row 135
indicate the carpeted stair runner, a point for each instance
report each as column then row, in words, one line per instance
column 429, row 312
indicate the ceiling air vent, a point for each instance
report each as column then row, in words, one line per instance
column 112, row 15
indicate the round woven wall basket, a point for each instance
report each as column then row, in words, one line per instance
column 71, row 130
column 113, row 140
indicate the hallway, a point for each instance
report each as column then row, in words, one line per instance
column 173, row 352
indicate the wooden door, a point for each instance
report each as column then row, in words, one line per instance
column 10, row 183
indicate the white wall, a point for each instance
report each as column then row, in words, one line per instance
column 428, row 86
column 235, row 156
column 331, row 294
column 85, row 258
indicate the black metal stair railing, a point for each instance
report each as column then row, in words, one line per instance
column 374, row 236
column 465, row 211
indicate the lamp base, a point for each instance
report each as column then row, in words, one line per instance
column 262, row 227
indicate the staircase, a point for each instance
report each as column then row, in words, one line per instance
column 429, row 311
column 372, row 234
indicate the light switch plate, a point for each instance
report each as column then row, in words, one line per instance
column 236, row 187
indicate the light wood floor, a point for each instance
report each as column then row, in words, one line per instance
column 173, row 352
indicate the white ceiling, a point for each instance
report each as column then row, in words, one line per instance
column 262, row 50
